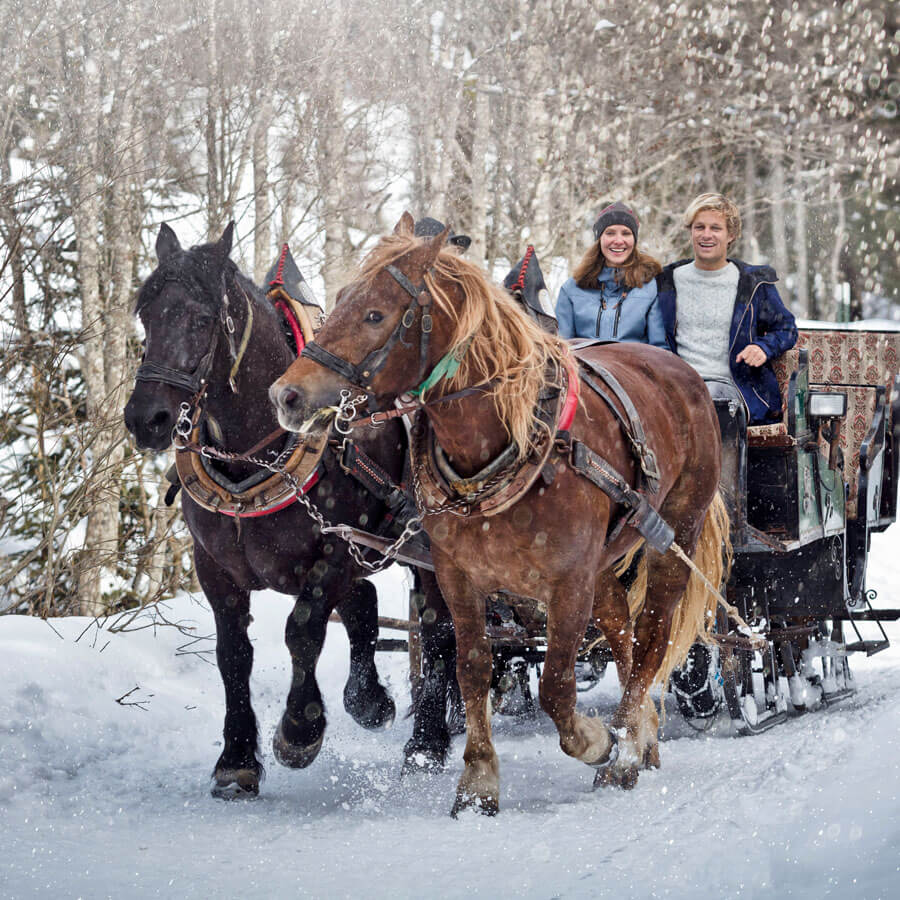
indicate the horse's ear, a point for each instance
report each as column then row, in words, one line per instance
column 434, row 247
column 166, row 243
column 225, row 242
column 405, row 225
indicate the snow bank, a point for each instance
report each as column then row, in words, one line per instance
column 109, row 739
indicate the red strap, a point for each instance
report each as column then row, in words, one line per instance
column 573, row 390
column 308, row 485
column 288, row 313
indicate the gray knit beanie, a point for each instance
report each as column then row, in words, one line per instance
column 616, row 214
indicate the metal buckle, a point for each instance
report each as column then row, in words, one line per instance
column 408, row 318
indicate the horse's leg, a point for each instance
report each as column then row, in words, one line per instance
column 238, row 770
column 636, row 720
column 587, row 739
column 613, row 618
column 427, row 748
column 299, row 735
column 365, row 697
column 479, row 784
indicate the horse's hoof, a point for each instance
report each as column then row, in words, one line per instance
column 423, row 761
column 235, row 784
column 487, row 806
column 374, row 715
column 291, row 755
column 651, row 757
column 610, row 776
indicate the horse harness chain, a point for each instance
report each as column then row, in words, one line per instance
column 344, row 452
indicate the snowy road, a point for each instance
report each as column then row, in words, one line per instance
column 100, row 799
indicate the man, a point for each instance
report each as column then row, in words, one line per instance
column 724, row 316
column 429, row 227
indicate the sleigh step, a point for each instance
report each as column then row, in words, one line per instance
column 870, row 647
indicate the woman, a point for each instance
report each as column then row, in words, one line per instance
column 612, row 295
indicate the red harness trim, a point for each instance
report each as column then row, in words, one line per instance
column 307, row 485
column 278, row 280
column 520, row 284
column 573, row 391
column 288, row 313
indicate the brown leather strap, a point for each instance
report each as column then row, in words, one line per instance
column 382, row 416
column 272, row 436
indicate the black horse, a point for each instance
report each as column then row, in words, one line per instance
column 213, row 345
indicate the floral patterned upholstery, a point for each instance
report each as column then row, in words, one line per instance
column 850, row 362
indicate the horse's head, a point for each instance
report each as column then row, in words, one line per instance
column 181, row 308
column 382, row 338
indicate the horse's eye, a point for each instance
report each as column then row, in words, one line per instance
column 374, row 316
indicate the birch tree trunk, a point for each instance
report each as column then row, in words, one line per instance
column 214, row 193
column 478, row 220
column 751, row 225
column 262, row 207
column 101, row 534
column 800, row 242
column 779, row 227
column 332, row 181
column 832, row 309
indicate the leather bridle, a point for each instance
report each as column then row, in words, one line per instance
column 195, row 382
column 364, row 372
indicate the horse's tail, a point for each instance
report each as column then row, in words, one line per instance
column 696, row 611
column 632, row 570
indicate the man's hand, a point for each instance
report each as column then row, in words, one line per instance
column 753, row 355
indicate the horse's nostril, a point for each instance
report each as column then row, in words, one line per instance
column 290, row 399
column 160, row 420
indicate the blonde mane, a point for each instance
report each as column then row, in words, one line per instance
column 495, row 338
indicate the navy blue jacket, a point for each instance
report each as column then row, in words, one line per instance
column 759, row 318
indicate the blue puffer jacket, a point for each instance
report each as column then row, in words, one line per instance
column 759, row 318
column 611, row 312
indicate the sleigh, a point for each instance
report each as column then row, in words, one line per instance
column 805, row 496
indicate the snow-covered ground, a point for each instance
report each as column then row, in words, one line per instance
column 100, row 798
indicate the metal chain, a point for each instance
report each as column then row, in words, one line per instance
column 183, row 426
column 346, row 411
column 389, row 554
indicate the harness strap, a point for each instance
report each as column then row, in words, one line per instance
column 631, row 422
column 381, row 416
column 245, row 340
column 371, row 476
column 150, row 371
column 404, row 282
column 326, row 358
column 641, row 515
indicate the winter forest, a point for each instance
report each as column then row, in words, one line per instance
column 318, row 123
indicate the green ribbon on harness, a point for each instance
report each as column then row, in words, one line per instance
column 447, row 366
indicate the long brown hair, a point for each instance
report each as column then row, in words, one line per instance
column 637, row 270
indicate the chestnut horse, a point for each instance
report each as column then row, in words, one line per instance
column 214, row 343
column 559, row 542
